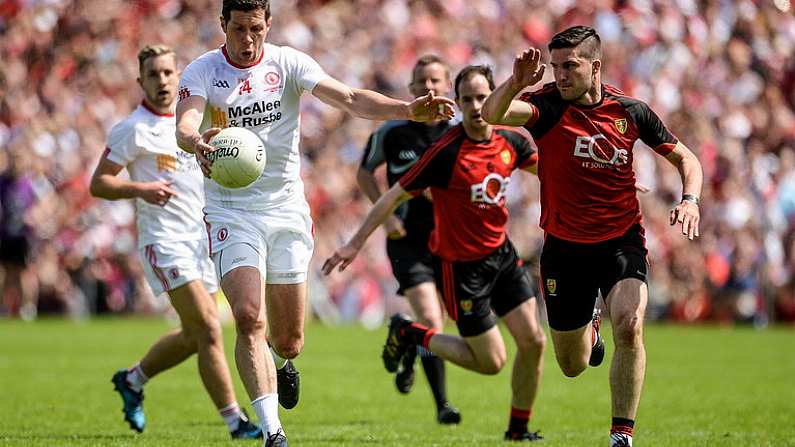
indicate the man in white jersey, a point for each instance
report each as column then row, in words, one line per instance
column 264, row 231
column 167, row 185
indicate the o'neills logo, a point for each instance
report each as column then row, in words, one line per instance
column 223, row 152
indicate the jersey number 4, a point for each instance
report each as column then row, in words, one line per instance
column 245, row 87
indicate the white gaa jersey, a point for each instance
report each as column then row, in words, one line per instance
column 263, row 98
column 145, row 143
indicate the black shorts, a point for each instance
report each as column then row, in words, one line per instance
column 474, row 291
column 573, row 274
column 14, row 250
column 412, row 263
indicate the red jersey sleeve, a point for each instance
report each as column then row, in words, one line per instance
column 651, row 128
column 526, row 156
column 435, row 167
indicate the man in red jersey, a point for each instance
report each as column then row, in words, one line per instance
column 476, row 268
column 594, row 238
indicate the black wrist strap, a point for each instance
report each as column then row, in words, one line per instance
column 690, row 198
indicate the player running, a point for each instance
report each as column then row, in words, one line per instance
column 477, row 270
column 589, row 211
column 262, row 236
column 399, row 144
column 166, row 183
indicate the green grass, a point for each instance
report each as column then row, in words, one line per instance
column 705, row 386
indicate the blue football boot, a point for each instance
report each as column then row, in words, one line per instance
column 133, row 401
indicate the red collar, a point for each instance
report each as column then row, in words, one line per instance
column 153, row 111
column 242, row 67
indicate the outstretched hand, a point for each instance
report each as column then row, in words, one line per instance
column 342, row 257
column 527, row 68
column 202, row 147
column 431, row 108
column 687, row 214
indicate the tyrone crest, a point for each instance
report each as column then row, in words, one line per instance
column 621, row 125
column 466, row 306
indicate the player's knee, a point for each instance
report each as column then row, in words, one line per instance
column 572, row 366
column 248, row 320
column 628, row 330
column 532, row 343
column 492, row 365
column 208, row 333
column 188, row 339
column 289, row 345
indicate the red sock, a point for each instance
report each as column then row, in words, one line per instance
column 418, row 334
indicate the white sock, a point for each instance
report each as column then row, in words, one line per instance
column 280, row 362
column 267, row 409
column 231, row 415
column 136, row 378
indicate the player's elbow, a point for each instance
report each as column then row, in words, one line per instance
column 96, row 188
column 489, row 115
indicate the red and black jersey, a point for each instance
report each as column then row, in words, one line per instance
column 468, row 180
column 585, row 196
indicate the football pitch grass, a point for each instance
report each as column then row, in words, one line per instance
column 705, row 386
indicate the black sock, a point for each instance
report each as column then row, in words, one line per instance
column 623, row 426
column 434, row 371
column 518, row 421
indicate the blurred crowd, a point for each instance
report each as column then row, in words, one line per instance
column 721, row 74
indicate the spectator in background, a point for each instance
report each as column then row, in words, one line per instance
column 18, row 197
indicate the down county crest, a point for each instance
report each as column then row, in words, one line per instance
column 466, row 306
column 552, row 286
column 621, row 125
column 505, row 156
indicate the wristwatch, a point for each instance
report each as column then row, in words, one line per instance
column 690, row 198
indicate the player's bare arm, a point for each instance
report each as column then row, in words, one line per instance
column 377, row 215
column 368, row 184
column 373, row 105
column 106, row 185
column 190, row 112
column 686, row 212
column 500, row 107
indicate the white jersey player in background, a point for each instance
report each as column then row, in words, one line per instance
column 167, row 185
column 264, row 231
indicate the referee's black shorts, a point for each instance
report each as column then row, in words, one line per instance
column 412, row 263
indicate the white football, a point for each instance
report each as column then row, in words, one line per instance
column 238, row 159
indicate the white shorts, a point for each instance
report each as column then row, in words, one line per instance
column 279, row 243
column 168, row 265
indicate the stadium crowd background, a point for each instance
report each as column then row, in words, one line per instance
column 721, row 74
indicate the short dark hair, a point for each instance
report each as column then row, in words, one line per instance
column 429, row 59
column 472, row 70
column 584, row 38
column 245, row 5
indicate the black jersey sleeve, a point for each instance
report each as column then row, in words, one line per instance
column 525, row 154
column 435, row 167
column 548, row 108
column 374, row 155
column 651, row 129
